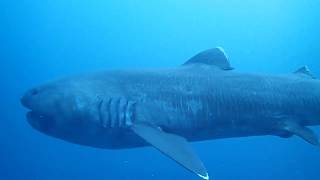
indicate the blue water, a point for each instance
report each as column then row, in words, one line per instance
column 44, row 40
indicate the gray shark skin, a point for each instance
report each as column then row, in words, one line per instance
column 203, row 99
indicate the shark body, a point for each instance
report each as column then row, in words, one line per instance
column 203, row 99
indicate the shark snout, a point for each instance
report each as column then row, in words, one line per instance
column 26, row 99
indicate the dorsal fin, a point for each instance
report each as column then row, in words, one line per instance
column 214, row 57
column 305, row 71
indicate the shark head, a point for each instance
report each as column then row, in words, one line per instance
column 83, row 110
column 66, row 109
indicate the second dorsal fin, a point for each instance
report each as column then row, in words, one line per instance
column 305, row 71
column 215, row 57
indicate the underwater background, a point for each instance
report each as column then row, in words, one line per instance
column 41, row 40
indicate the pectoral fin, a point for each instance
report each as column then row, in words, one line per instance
column 301, row 131
column 175, row 147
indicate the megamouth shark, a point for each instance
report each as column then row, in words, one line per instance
column 203, row 99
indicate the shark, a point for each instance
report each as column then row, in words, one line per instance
column 203, row 99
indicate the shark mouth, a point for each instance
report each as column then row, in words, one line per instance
column 35, row 115
column 40, row 121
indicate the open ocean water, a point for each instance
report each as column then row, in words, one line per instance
column 41, row 40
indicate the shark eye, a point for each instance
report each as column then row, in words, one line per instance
column 34, row 92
